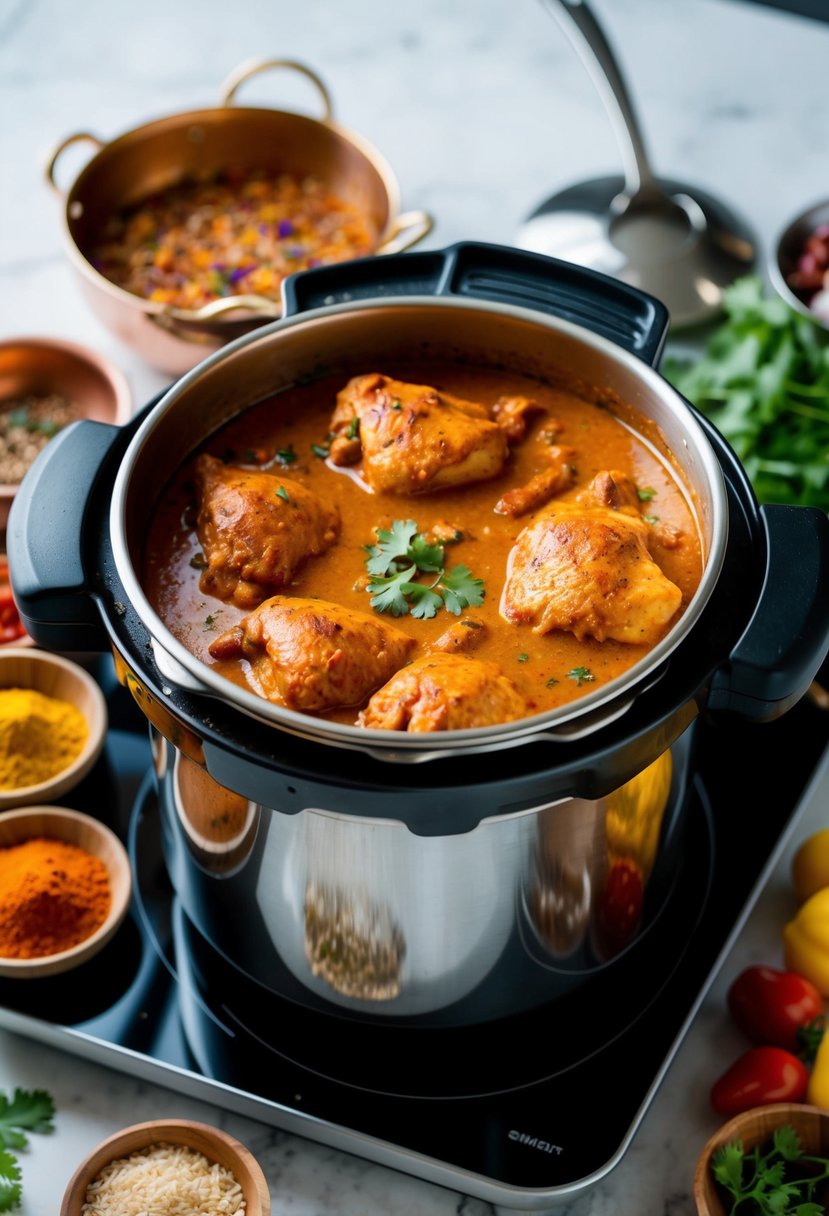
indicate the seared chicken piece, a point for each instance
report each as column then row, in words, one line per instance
column 542, row 487
column 511, row 414
column 613, row 489
column 587, row 570
column 312, row 655
column 444, row 692
column 256, row 529
column 413, row 438
column 463, row 635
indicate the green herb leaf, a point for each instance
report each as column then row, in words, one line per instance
column 286, row 455
column 10, row 1189
column 282, row 493
column 551, row 682
column 645, row 493
column 522, row 658
column 353, row 428
column 399, row 554
column 319, row 451
column 764, row 382
column 461, row 590
column 28, row 1111
column 582, row 675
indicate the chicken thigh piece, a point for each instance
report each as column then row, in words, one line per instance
column 256, row 529
column 587, row 570
column 311, row 655
column 444, row 692
column 413, row 438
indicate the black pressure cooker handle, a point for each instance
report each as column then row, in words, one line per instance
column 626, row 316
column 52, row 517
column 787, row 638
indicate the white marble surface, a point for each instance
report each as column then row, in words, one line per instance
column 483, row 110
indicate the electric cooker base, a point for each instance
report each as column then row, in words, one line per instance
column 514, row 1132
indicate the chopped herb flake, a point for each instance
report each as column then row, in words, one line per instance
column 645, row 493
column 319, row 451
column 522, row 658
column 651, row 519
column 286, row 455
column 353, row 428
column 552, row 682
column 282, row 493
column 198, row 561
column 582, row 675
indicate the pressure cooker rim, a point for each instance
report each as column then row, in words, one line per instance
column 180, row 667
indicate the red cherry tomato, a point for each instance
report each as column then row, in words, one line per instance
column 761, row 1075
column 774, row 1006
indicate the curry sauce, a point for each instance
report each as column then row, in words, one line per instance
column 290, row 435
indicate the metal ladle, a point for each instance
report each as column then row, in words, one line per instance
column 670, row 239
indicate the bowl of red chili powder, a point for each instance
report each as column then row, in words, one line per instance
column 65, row 885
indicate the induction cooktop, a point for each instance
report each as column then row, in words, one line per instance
column 492, row 1110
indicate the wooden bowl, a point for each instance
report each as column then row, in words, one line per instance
column 54, row 676
column 34, row 366
column 76, row 828
column 753, row 1127
column 218, row 1146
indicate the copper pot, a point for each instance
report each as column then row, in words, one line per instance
column 161, row 153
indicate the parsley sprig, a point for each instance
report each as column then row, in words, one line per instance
column 764, row 382
column 400, row 554
column 28, row 1111
column 767, row 1180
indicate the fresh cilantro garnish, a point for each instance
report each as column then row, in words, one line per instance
column 10, row 1189
column 319, row 451
column 353, row 428
column 523, row 656
column 28, row 1111
column 399, row 555
column 397, row 405
column 651, row 519
column 286, row 455
column 764, row 382
column 768, row 1180
column 282, row 493
column 645, row 493
column 552, row 682
column 582, row 675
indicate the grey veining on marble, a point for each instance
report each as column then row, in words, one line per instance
column 483, row 110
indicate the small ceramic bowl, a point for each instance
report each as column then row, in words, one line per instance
column 74, row 827
column 40, row 367
column 787, row 250
column 754, row 1127
column 54, row 676
column 217, row 1146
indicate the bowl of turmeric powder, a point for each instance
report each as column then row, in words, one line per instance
column 53, row 722
column 65, row 884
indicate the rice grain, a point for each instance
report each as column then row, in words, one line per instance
column 164, row 1180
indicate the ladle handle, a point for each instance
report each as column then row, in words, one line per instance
column 581, row 27
column 497, row 274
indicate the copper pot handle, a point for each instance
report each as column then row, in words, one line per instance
column 175, row 320
column 51, row 164
column 405, row 231
column 253, row 67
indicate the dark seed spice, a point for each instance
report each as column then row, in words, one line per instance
column 26, row 426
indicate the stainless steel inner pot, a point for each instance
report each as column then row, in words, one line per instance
column 358, row 336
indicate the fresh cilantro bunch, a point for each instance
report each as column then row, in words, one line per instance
column 28, row 1111
column 394, row 562
column 771, row 1181
column 764, row 383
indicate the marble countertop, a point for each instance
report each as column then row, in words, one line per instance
column 483, row 109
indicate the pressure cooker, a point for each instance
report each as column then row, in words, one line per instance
column 422, row 859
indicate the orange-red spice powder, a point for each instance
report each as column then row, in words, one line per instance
column 53, row 895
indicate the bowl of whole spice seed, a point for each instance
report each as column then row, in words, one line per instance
column 45, row 384
column 65, row 884
column 53, row 722
column 172, row 1167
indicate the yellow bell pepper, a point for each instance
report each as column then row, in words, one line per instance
column 806, row 941
column 817, row 1091
column 810, row 865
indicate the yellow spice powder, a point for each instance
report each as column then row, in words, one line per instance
column 40, row 736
